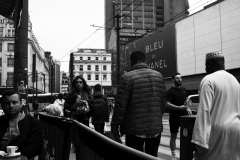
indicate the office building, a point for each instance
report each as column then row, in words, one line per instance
column 141, row 17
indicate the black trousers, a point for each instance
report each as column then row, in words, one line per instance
column 99, row 127
column 151, row 144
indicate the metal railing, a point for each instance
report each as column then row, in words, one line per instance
column 58, row 133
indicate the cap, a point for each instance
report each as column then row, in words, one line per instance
column 213, row 55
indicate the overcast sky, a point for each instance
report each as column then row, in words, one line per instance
column 62, row 26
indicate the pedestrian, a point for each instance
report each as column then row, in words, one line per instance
column 81, row 92
column 139, row 106
column 102, row 112
column 35, row 106
column 19, row 129
column 74, row 102
column 217, row 127
column 60, row 102
column 176, row 97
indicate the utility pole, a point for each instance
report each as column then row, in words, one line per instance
column 71, row 71
column 118, row 49
column 37, row 85
column 20, row 43
column 43, row 81
column 51, row 81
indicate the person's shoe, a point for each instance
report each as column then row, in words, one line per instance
column 174, row 158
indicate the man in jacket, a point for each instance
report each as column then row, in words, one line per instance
column 19, row 129
column 98, row 120
column 139, row 106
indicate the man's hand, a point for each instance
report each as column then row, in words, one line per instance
column 189, row 111
column 114, row 130
column 78, row 99
column 117, row 137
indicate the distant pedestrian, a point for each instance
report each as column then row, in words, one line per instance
column 60, row 102
column 100, row 104
column 35, row 106
column 139, row 106
column 217, row 127
column 111, row 107
column 176, row 97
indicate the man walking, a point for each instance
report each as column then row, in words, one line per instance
column 139, row 106
column 102, row 112
column 217, row 128
column 176, row 97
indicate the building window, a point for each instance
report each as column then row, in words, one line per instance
column 104, row 67
column 96, row 77
column 10, row 79
column 104, row 77
column 73, row 67
column 96, row 68
column 0, row 63
column 81, row 68
column 81, row 58
column 89, row 67
column 9, row 32
column 13, row 32
column 88, row 77
column 104, row 58
column 10, row 62
column 0, row 78
column 0, row 47
column 96, row 58
column 89, row 58
column 1, row 32
column 10, row 47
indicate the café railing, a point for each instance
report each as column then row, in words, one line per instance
column 58, row 133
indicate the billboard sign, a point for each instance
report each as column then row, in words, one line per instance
column 159, row 49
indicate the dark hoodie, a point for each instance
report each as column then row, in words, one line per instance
column 102, row 118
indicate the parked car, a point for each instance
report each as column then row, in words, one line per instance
column 193, row 102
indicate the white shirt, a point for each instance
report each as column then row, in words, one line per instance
column 217, row 126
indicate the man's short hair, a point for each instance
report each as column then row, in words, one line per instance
column 173, row 76
column 97, row 87
column 10, row 93
column 137, row 56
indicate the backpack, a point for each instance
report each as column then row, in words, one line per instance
column 99, row 106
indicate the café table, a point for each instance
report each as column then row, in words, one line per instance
column 21, row 157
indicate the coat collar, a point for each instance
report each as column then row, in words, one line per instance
column 139, row 66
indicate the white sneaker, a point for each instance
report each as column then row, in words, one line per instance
column 174, row 158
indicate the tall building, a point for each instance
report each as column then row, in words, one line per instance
column 36, row 56
column 94, row 65
column 64, row 80
column 141, row 17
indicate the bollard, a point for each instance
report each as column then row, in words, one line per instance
column 186, row 146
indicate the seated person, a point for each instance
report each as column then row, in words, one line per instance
column 19, row 129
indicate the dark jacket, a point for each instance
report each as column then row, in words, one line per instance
column 30, row 140
column 101, row 118
column 140, row 102
column 69, row 102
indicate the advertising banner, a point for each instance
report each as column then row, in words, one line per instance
column 159, row 49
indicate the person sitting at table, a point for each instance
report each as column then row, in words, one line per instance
column 19, row 129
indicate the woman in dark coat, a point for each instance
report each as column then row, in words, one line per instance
column 80, row 91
